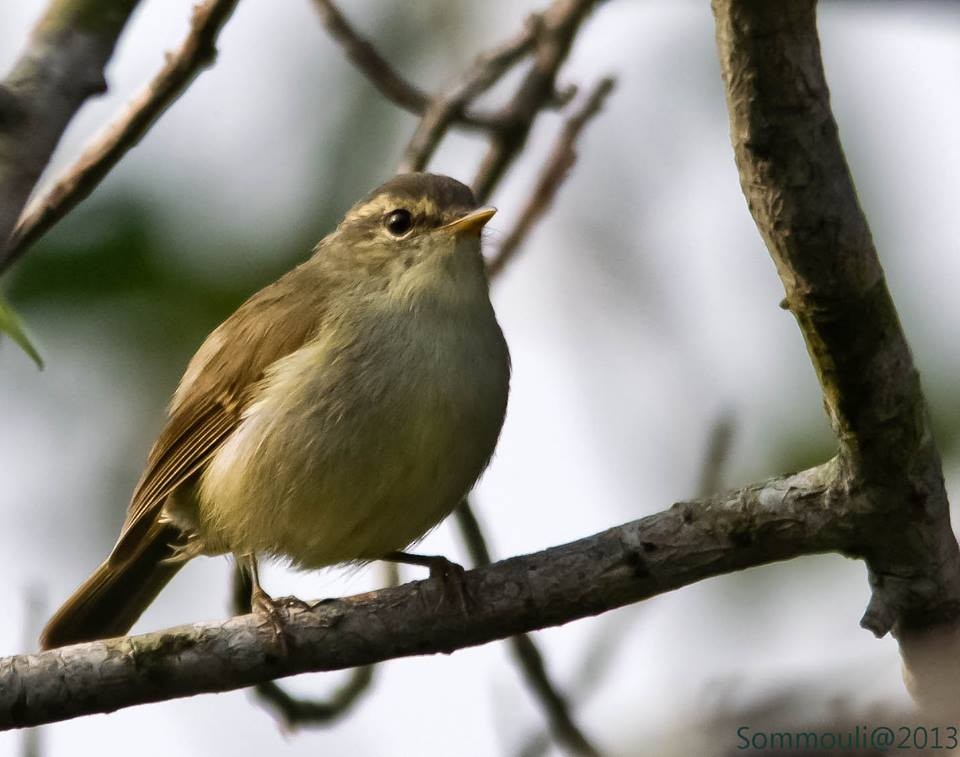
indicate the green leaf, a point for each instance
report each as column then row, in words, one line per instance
column 12, row 326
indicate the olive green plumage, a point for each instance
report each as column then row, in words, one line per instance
column 338, row 415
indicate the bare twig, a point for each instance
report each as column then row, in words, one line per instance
column 559, row 162
column 525, row 651
column 407, row 95
column 716, row 455
column 373, row 65
column 31, row 744
column 448, row 106
column 804, row 513
column 556, row 32
column 596, row 659
column 195, row 53
column 294, row 712
column 601, row 651
column 60, row 68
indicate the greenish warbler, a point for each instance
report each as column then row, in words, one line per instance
column 337, row 416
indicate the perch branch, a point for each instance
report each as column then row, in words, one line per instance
column 196, row 52
column 781, row 518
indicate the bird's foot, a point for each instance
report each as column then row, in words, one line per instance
column 293, row 603
column 272, row 612
column 450, row 575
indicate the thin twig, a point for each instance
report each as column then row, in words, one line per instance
column 370, row 62
column 31, row 743
column 385, row 77
column 716, row 456
column 449, row 106
column 196, row 52
column 557, row 31
column 290, row 710
column 525, row 651
column 595, row 661
column 559, row 162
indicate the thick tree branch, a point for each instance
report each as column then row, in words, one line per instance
column 784, row 517
column 196, row 52
column 800, row 192
column 61, row 67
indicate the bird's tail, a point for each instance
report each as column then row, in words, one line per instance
column 109, row 602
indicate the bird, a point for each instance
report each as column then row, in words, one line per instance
column 336, row 417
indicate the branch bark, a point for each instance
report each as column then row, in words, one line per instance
column 801, row 194
column 60, row 68
column 777, row 519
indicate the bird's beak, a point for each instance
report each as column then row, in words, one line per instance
column 472, row 221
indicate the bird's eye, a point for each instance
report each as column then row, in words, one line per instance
column 398, row 222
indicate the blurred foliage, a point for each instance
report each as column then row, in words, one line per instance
column 108, row 261
column 12, row 326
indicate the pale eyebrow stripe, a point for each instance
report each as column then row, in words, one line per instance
column 424, row 207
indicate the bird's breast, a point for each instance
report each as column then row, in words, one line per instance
column 363, row 439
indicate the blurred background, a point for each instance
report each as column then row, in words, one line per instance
column 640, row 313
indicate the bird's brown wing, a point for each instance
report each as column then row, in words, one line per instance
column 209, row 404
column 184, row 446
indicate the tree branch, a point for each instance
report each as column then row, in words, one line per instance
column 370, row 62
column 716, row 456
column 61, row 67
column 196, row 52
column 448, row 106
column 784, row 517
column 291, row 711
column 525, row 651
column 800, row 192
column 555, row 170
column 558, row 28
column 381, row 74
